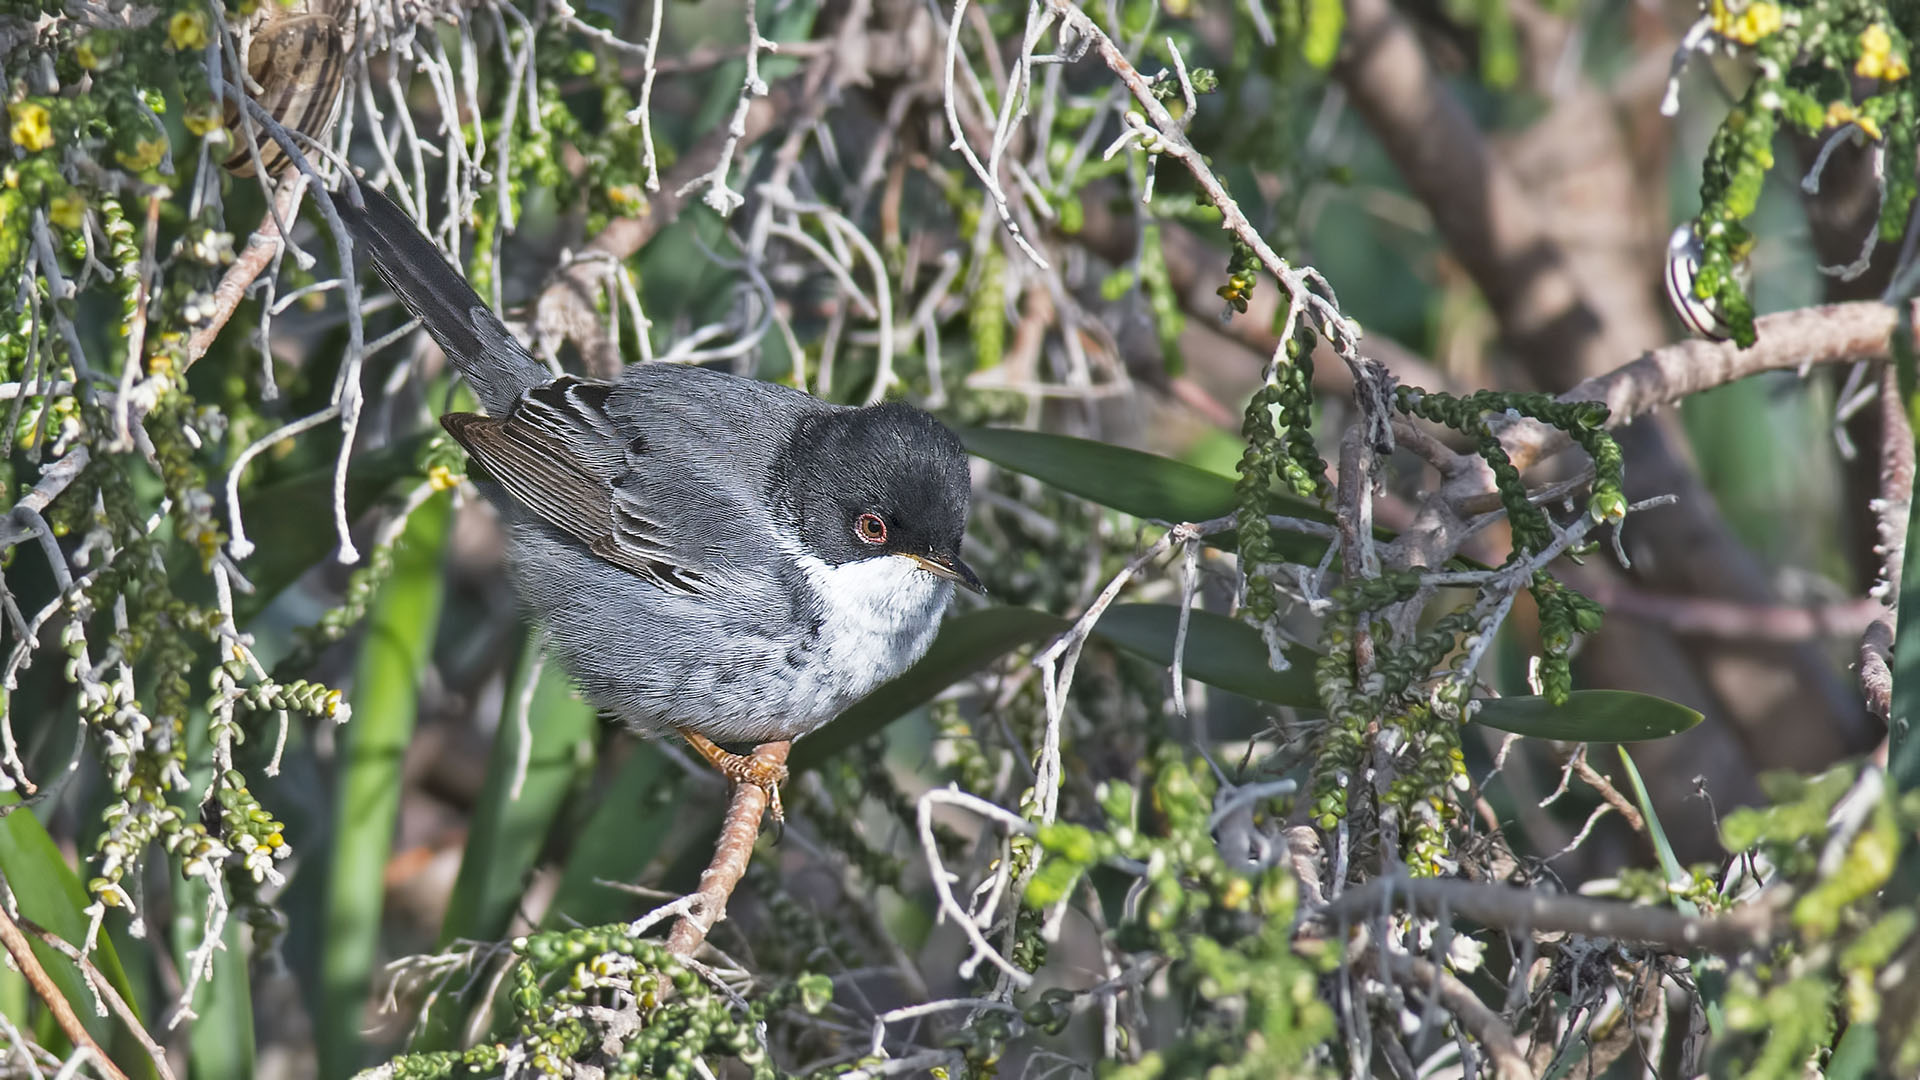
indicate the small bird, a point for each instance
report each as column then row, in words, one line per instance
column 715, row 555
column 297, row 58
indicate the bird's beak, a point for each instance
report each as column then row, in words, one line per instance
column 948, row 567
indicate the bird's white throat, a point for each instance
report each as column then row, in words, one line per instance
column 878, row 615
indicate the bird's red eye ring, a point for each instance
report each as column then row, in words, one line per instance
column 870, row 528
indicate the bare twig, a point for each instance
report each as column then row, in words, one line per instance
column 63, row 1014
column 1509, row 1061
column 105, row 988
column 1520, row 910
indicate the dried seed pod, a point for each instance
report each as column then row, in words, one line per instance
column 297, row 57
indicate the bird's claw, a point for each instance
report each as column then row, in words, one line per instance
column 745, row 769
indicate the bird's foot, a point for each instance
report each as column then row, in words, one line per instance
column 743, row 769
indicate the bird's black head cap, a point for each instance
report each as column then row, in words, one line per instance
column 884, row 480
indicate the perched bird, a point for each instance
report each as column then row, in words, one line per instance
column 723, row 557
column 297, row 58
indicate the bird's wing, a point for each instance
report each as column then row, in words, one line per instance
column 558, row 454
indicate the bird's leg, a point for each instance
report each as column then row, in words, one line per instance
column 743, row 769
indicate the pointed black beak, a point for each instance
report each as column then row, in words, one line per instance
column 949, row 567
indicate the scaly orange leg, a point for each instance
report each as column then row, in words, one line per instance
column 743, row 769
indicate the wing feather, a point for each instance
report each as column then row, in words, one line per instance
column 544, row 475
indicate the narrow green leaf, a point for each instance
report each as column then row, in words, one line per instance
column 1142, row 484
column 1662, row 848
column 622, row 835
column 220, row 1040
column 1606, row 716
column 1903, row 747
column 1130, row 481
column 398, row 646
column 1221, row 652
column 1856, row 1057
column 507, row 833
column 49, row 893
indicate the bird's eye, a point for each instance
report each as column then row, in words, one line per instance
column 871, row 528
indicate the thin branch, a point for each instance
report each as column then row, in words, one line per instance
column 731, row 853
column 1520, row 910
column 63, row 1014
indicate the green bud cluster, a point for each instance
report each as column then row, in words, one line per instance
column 559, row 973
column 967, row 761
column 1243, row 273
column 1227, row 932
column 1812, row 62
column 796, row 931
column 1564, row 614
column 1848, row 928
column 1275, row 454
column 835, row 819
column 1340, row 745
column 1168, row 317
column 1424, row 796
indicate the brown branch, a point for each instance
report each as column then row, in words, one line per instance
column 1890, row 516
column 1479, row 208
column 22, row 952
column 1789, row 340
column 1518, row 910
column 1480, row 1021
column 1197, row 268
column 107, row 993
column 1698, row 616
column 731, row 853
column 265, row 243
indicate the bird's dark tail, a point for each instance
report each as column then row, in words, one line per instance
column 473, row 337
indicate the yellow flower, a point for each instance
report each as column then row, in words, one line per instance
column 441, row 478
column 29, row 125
column 145, row 154
column 69, row 211
column 1842, row 112
column 202, row 118
column 187, row 30
column 1757, row 20
column 87, row 54
column 1877, row 58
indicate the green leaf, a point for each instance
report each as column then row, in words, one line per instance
column 222, row 1038
column 1857, row 1054
column 507, row 833
column 398, row 646
column 1903, row 747
column 966, row 644
column 1221, row 652
column 1669, row 862
column 1607, row 716
column 1142, row 484
column 220, row 1042
column 49, row 893
column 1130, row 481
column 621, row 837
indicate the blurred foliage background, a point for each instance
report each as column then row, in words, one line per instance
column 302, row 798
